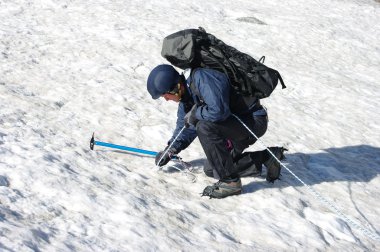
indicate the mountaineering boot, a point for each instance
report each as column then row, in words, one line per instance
column 223, row 189
column 272, row 165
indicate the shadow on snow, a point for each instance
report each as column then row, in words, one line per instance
column 352, row 163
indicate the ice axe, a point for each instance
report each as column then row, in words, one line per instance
column 120, row 147
column 146, row 152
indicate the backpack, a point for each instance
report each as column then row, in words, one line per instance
column 194, row 48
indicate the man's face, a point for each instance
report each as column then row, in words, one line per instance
column 171, row 97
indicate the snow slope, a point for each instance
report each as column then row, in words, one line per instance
column 72, row 67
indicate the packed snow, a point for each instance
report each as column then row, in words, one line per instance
column 69, row 68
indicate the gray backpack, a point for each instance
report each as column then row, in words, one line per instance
column 194, row 48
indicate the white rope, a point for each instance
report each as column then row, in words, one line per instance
column 167, row 149
column 193, row 177
column 370, row 234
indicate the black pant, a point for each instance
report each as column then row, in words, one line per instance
column 224, row 163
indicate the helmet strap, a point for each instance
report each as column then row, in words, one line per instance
column 179, row 94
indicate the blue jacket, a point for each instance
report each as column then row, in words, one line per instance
column 212, row 100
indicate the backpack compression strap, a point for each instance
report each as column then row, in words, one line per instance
column 281, row 81
column 264, row 68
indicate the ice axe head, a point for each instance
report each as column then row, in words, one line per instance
column 92, row 141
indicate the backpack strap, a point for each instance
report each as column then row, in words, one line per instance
column 281, row 81
column 262, row 59
column 193, row 88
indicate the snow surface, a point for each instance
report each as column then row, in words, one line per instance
column 72, row 67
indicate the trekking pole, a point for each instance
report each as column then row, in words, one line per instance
column 333, row 207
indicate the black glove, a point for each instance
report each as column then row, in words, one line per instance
column 165, row 159
column 190, row 118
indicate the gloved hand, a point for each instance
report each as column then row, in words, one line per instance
column 190, row 118
column 166, row 158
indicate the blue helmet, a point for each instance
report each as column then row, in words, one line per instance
column 161, row 80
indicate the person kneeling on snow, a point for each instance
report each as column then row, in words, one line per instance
column 204, row 108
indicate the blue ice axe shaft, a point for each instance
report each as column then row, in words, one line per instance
column 120, row 147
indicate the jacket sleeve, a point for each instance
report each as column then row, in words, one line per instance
column 214, row 89
column 187, row 136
